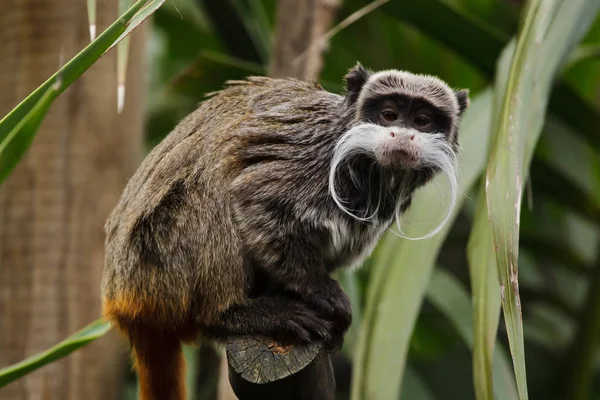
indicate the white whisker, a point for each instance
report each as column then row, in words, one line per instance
column 363, row 139
column 437, row 153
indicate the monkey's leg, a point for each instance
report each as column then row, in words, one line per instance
column 324, row 294
column 288, row 247
column 297, row 271
column 276, row 317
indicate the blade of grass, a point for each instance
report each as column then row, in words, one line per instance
column 79, row 339
column 486, row 301
column 484, row 282
column 91, row 8
column 62, row 79
column 402, row 270
column 549, row 29
column 122, row 58
column 447, row 294
column 146, row 9
column 18, row 140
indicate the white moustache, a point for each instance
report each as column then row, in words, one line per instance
column 397, row 147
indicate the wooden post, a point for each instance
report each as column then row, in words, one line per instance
column 260, row 368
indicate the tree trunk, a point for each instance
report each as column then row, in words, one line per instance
column 53, row 206
column 297, row 52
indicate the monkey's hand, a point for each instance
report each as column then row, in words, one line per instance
column 307, row 325
column 331, row 301
column 277, row 317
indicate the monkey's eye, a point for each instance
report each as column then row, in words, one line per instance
column 422, row 121
column 389, row 115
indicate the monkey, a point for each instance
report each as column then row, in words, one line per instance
column 234, row 223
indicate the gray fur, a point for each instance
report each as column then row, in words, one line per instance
column 228, row 224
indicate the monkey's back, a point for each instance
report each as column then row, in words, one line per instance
column 172, row 251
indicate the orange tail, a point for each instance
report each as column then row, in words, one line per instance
column 159, row 363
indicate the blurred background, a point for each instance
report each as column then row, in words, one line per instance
column 54, row 204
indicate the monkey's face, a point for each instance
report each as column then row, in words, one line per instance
column 410, row 130
column 406, row 124
column 404, row 121
column 416, row 117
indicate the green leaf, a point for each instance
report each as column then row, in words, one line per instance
column 448, row 296
column 18, row 140
column 35, row 106
column 122, row 58
column 486, row 300
column 485, row 292
column 79, row 339
column 144, row 9
column 91, row 8
column 549, row 30
column 123, row 44
column 402, row 270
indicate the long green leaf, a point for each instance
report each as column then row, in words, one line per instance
column 484, row 282
column 91, row 8
column 549, row 30
column 401, row 273
column 59, row 82
column 79, row 339
column 14, row 145
column 448, row 296
column 486, row 300
column 122, row 59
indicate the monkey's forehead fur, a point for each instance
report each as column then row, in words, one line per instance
column 390, row 82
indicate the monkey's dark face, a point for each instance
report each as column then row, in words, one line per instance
column 407, row 124
column 420, row 114
column 404, row 111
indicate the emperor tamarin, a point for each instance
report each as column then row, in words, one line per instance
column 233, row 224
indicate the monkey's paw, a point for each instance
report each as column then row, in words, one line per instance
column 332, row 301
column 308, row 325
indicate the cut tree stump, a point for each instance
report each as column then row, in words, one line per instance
column 260, row 368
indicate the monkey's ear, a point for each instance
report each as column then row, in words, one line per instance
column 463, row 100
column 355, row 79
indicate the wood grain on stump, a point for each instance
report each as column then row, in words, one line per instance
column 260, row 368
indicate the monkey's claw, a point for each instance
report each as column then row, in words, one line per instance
column 332, row 301
column 308, row 326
